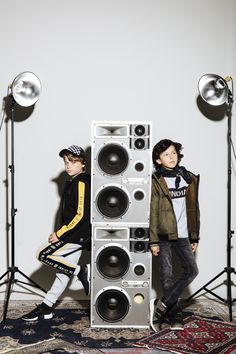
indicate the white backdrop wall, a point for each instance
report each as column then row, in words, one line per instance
column 114, row 60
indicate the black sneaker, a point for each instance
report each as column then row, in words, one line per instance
column 41, row 312
column 83, row 276
column 158, row 312
column 177, row 322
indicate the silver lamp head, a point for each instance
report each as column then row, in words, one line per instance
column 26, row 89
column 213, row 89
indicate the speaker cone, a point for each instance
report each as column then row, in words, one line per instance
column 113, row 159
column 139, row 143
column 112, row 305
column 139, row 246
column 140, row 233
column 139, row 166
column 139, row 269
column 112, row 202
column 139, row 195
column 139, row 130
column 113, row 262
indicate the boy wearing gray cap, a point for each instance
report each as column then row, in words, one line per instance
column 65, row 245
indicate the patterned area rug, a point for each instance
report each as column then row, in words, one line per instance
column 200, row 335
column 69, row 326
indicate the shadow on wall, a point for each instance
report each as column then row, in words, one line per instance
column 214, row 113
column 20, row 113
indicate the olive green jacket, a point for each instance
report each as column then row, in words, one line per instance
column 162, row 217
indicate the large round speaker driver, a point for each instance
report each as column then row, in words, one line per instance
column 112, row 202
column 112, row 305
column 113, row 262
column 113, row 159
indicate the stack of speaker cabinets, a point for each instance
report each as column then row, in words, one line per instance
column 120, row 260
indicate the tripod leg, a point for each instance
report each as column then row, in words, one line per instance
column 204, row 286
column 229, row 300
column 11, row 281
column 235, row 274
column 4, row 276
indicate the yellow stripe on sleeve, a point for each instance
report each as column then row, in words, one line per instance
column 80, row 211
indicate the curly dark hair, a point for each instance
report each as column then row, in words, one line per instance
column 161, row 146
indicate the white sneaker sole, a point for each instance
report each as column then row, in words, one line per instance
column 152, row 312
column 45, row 317
column 89, row 278
column 177, row 328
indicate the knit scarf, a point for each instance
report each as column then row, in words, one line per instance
column 178, row 171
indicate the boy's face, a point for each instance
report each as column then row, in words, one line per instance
column 73, row 168
column 168, row 158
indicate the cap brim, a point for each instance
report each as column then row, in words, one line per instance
column 62, row 152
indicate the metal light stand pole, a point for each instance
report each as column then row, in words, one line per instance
column 228, row 270
column 13, row 269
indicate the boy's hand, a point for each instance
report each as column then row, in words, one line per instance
column 155, row 250
column 194, row 246
column 53, row 238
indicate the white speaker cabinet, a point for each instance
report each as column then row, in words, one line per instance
column 121, row 172
column 120, row 277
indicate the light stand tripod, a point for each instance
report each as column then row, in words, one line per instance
column 13, row 269
column 219, row 85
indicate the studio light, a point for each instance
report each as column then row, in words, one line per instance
column 215, row 90
column 24, row 90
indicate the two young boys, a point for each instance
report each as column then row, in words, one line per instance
column 174, row 225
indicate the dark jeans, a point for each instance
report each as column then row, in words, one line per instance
column 172, row 288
